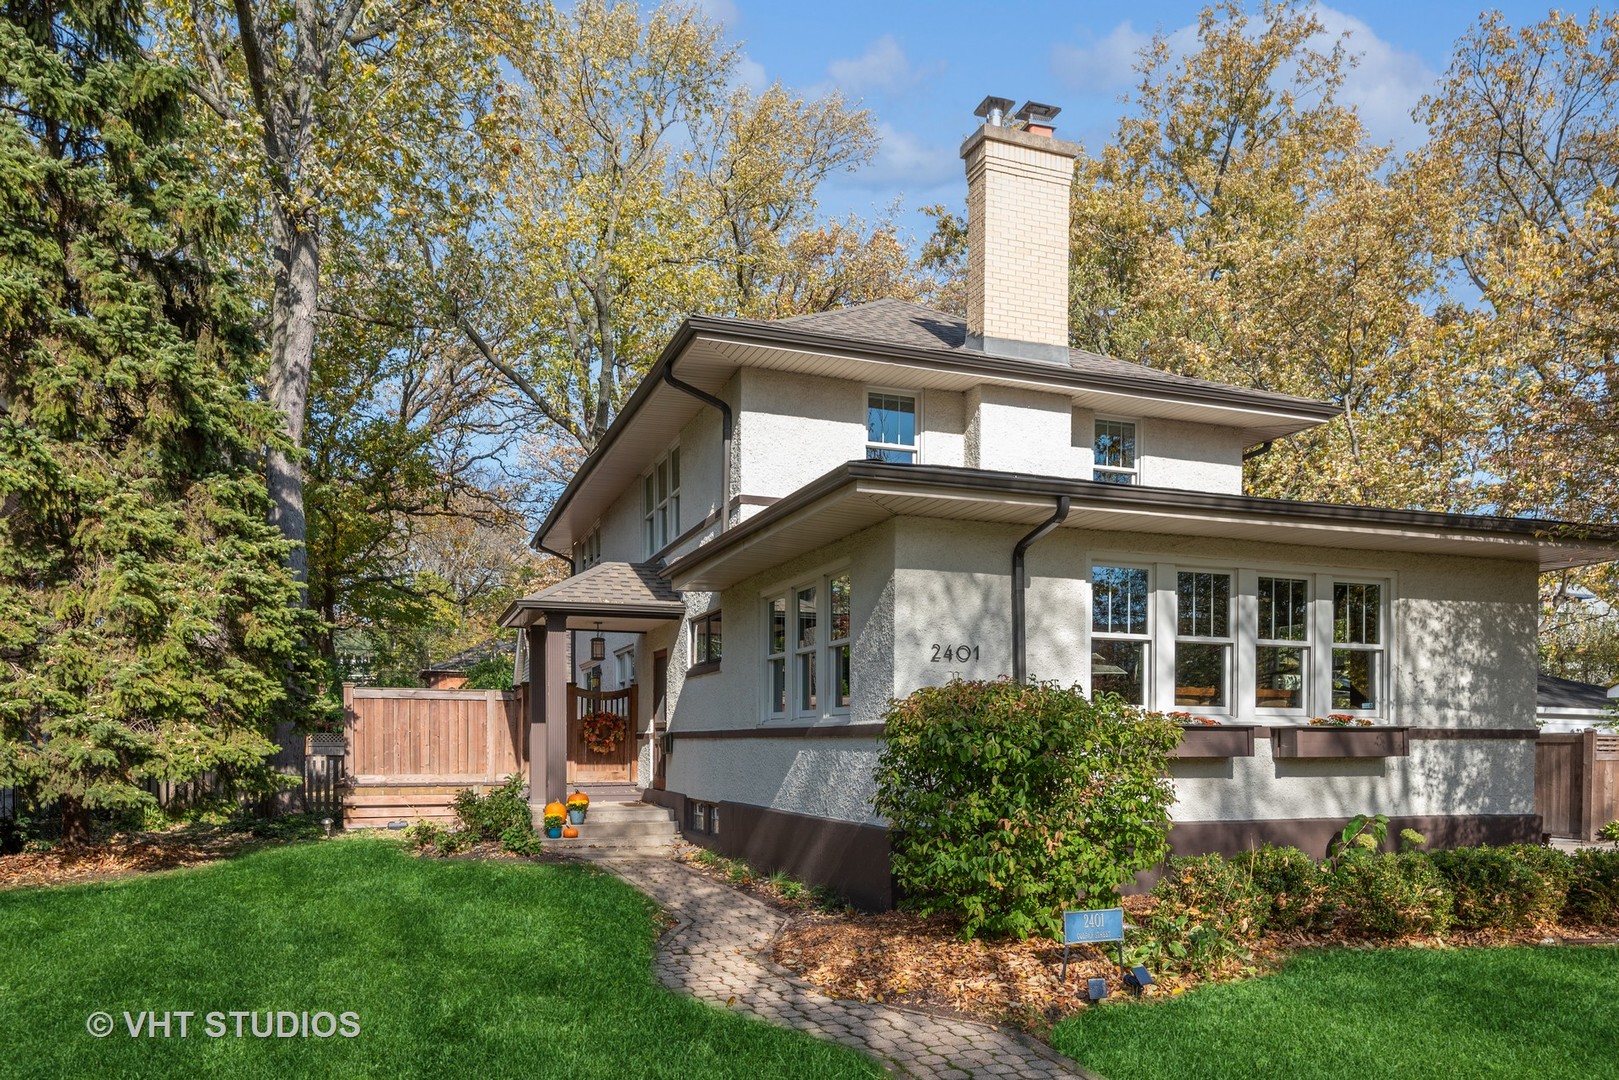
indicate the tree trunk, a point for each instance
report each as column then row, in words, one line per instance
column 75, row 821
column 292, row 353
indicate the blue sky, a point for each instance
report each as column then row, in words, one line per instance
column 922, row 67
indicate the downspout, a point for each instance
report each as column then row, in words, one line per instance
column 1258, row 451
column 725, row 436
column 1020, row 660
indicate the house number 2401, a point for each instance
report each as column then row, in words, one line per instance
column 960, row 654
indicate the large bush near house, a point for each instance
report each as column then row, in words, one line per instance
column 1505, row 888
column 1008, row 803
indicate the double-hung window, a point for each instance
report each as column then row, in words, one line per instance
column 1203, row 639
column 890, row 427
column 660, row 502
column 1121, row 605
column 1282, row 645
column 807, row 650
column 1357, row 646
column 706, row 642
column 590, row 549
column 1114, row 451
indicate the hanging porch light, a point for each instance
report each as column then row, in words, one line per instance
column 598, row 645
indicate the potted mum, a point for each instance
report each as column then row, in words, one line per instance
column 578, row 803
column 555, row 815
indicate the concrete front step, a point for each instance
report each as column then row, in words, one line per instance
column 619, row 826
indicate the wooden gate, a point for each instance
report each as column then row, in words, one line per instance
column 586, row 766
column 1577, row 783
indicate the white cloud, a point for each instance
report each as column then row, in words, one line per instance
column 749, row 73
column 883, row 66
column 723, row 12
column 1387, row 83
column 905, row 162
column 1099, row 65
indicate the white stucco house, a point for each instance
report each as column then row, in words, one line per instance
column 792, row 522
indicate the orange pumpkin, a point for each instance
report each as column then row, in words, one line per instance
column 579, row 796
column 569, row 831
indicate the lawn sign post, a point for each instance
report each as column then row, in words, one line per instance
column 1092, row 928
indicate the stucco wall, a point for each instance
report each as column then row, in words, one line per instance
column 824, row 777
column 1193, row 457
column 1023, row 431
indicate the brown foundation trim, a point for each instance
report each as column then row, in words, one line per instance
column 1312, row 835
column 845, row 856
column 786, row 731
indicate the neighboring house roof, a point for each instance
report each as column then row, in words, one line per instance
column 1552, row 692
column 463, row 661
column 860, row 494
column 893, row 336
column 618, row 595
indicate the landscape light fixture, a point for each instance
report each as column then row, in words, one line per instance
column 328, row 823
column 598, row 645
column 1138, row 978
column 1096, row 989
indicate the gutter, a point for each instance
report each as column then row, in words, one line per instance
column 1020, row 660
column 726, row 431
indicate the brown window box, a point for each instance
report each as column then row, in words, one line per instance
column 1215, row 741
column 1340, row 742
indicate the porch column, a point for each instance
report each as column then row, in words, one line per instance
column 548, row 710
column 534, row 708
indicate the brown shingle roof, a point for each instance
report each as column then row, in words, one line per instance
column 608, row 584
column 895, row 322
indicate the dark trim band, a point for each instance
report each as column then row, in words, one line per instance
column 786, row 731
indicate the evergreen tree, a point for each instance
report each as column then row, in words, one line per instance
column 148, row 626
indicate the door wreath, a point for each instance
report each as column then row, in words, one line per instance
column 604, row 732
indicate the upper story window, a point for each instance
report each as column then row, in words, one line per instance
column 590, row 549
column 660, row 503
column 626, row 666
column 890, row 427
column 1121, row 604
column 807, row 638
column 1114, row 449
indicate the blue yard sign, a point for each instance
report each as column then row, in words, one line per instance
column 1090, row 927
column 1104, row 924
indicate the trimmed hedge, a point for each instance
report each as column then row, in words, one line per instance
column 1210, row 909
column 1008, row 803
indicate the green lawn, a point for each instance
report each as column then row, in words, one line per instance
column 455, row 968
column 1521, row 1012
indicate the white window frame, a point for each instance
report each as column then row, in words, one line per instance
column 625, row 659
column 1134, row 471
column 590, row 548
column 660, row 510
column 1148, row 648
column 693, row 661
column 820, row 652
column 915, row 398
column 1227, row 643
column 1317, row 699
column 1307, row 645
column 1382, row 684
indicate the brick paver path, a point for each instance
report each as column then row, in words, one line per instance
column 714, row 952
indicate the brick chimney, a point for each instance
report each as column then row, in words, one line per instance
column 1018, row 183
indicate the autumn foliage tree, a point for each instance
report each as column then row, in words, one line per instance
column 148, row 627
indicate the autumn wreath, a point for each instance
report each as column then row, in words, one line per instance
column 604, row 732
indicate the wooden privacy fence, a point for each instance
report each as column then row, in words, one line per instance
column 410, row 751
column 1577, row 783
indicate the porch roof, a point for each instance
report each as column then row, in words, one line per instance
column 859, row 494
column 619, row 595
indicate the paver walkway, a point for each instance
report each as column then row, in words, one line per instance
column 714, row 953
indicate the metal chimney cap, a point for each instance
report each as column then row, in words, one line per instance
column 1037, row 112
column 992, row 104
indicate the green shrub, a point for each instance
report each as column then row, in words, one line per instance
column 489, row 816
column 1007, row 803
column 1593, row 888
column 1207, row 912
column 1293, row 888
column 1505, row 888
column 1385, row 895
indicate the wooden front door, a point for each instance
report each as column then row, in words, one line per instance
column 587, row 765
column 660, row 717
